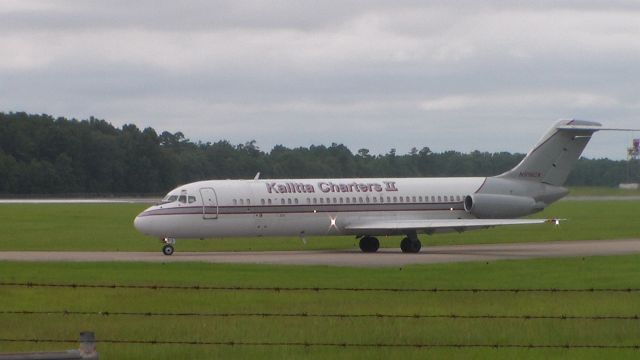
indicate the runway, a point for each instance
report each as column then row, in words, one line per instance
column 385, row 257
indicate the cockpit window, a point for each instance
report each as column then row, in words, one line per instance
column 182, row 198
column 169, row 199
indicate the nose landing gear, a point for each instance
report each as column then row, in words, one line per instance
column 168, row 249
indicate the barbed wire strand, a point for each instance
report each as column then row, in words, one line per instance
column 330, row 344
column 349, row 289
column 107, row 313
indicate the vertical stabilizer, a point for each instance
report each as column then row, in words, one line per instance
column 555, row 155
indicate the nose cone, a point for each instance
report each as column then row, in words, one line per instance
column 141, row 223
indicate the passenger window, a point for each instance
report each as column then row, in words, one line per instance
column 366, row 199
column 315, row 201
column 281, row 201
column 353, row 200
column 341, row 200
column 241, row 202
column 408, row 199
column 192, row 199
column 401, row 199
column 348, row 200
column 289, row 201
column 413, row 199
column 308, row 201
column 395, row 199
column 296, row 201
column 360, row 200
column 375, row 199
column 433, row 198
column 335, row 200
column 381, row 199
column 248, row 202
column 439, row 198
column 419, row 198
column 321, row 200
column 328, row 200
column 446, row 199
column 235, row 202
column 262, row 201
column 269, row 200
column 458, row 198
column 388, row 199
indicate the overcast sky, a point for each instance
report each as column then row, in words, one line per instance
column 462, row 75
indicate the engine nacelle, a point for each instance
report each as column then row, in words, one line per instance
column 491, row 206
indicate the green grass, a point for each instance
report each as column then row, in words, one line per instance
column 109, row 227
column 596, row 272
column 601, row 191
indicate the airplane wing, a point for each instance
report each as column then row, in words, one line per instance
column 435, row 224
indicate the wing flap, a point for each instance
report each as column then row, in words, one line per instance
column 396, row 225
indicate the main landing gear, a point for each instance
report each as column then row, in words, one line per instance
column 369, row 244
column 168, row 249
column 410, row 244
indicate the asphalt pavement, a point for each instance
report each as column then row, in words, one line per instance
column 384, row 257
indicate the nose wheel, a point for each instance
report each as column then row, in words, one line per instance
column 168, row 249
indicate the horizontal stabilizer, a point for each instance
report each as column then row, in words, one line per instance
column 592, row 128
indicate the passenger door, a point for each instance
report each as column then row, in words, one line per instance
column 209, row 203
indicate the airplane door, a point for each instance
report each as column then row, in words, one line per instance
column 209, row 203
column 261, row 218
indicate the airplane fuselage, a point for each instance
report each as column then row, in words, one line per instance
column 221, row 208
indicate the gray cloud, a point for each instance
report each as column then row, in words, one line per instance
column 377, row 74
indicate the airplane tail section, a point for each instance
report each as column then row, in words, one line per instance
column 555, row 155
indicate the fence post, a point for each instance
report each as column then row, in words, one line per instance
column 88, row 345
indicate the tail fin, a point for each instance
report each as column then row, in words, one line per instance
column 555, row 155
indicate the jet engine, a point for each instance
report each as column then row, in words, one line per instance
column 493, row 206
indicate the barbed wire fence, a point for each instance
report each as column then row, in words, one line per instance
column 418, row 345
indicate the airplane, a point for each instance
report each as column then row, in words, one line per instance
column 371, row 207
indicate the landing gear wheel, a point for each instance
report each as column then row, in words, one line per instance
column 167, row 250
column 369, row 244
column 410, row 246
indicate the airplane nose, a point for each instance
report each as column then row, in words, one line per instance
column 139, row 224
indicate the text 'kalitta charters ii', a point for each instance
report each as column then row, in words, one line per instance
column 329, row 187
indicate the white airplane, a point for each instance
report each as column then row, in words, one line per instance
column 372, row 207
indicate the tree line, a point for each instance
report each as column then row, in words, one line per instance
column 40, row 154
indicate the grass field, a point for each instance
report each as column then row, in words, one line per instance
column 598, row 272
column 601, row 191
column 109, row 227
